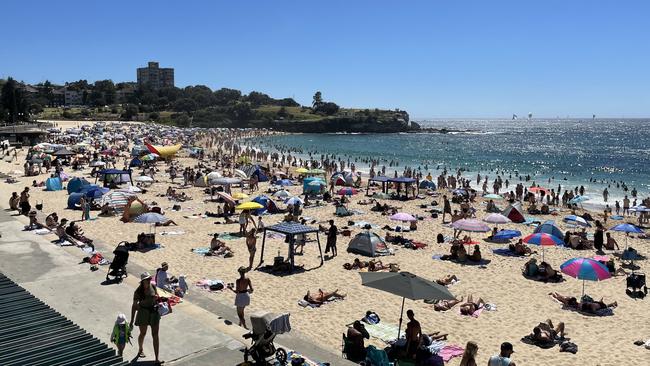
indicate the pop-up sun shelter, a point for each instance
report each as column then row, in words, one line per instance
column 75, row 184
column 269, row 206
column 291, row 229
column 515, row 213
column 73, row 200
column 368, row 244
column 53, row 184
column 116, row 176
column 550, row 228
column 313, row 185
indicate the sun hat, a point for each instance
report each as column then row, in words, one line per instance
column 145, row 276
column 121, row 319
column 242, row 269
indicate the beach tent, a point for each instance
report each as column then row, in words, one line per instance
column 139, row 150
column 93, row 191
column 73, row 201
column 427, row 184
column 164, row 151
column 515, row 213
column 269, row 205
column 135, row 162
column 254, row 171
column 550, row 228
column 342, row 179
column 53, row 184
column 76, row 184
column 114, row 176
column 368, row 244
column 291, row 230
column 313, row 185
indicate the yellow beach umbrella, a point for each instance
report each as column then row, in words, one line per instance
column 302, row 170
column 239, row 196
column 249, row 206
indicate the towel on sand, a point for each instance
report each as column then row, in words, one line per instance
column 450, row 351
column 384, row 331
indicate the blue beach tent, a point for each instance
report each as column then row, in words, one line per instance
column 73, row 201
column 53, row 184
column 75, row 184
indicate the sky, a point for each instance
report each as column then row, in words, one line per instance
column 434, row 59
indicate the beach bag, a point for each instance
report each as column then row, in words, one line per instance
column 164, row 308
column 39, row 205
column 216, row 287
column 96, row 258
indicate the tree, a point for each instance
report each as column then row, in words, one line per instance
column 241, row 111
column 328, row 108
column 154, row 116
column 257, row 99
column 181, row 120
column 130, row 111
column 283, row 112
column 225, row 96
column 14, row 102
column 318, row 100
column 185, row 105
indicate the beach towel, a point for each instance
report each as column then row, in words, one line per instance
column 505, row 252
column 384, row 331
column 617, row 217
column 529, row 340
column 201, row 251
column 228, row 236
column 450, row 351
column 42, row 231
column 436, row 346
column 172, row 233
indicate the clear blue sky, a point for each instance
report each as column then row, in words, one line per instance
column 431, row 58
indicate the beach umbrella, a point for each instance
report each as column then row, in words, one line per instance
column 640, row 208
column 281, row 193
column 627, row 229
column 97, row 163
column 225, row 181
column 240, row 173
column 293, row 201
column 493, row 196
column 149, row 157
column 405, row 285
column 579, row 200
column 239, row 195
column 226, row 197
column 63, row 152
column 316, row 171
column 144, row 179
column 94, row 192
column 347, row 191
column 249, row 206
column 506, row 234
column 577, row 220
column 543, row 240
column 496, row 218
column 403, row 216
column 302, row 170
column 585, row 269
column 150, row 218
column 471, row 225
column 116, row 199
column 538, row 189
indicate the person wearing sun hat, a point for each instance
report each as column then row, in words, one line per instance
column 121, row 333
column 144, row 301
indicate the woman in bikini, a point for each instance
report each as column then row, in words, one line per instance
column 323, row 297
column 470, row 307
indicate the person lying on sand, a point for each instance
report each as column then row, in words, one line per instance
column 520, row 248
column 469, row 307
column 586, row 305
column 546, row 332
column 569, row 301
column 167, row 223
column 444, row 305
column 323, row 296
column 447, row 280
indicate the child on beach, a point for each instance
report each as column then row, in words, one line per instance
column 121, row 333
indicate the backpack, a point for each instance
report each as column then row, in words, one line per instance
column 96, row 258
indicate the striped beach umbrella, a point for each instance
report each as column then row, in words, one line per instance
column 471, row 225
column 116, row 200
column 543, row 240
column 576, row 220
column 585, row 269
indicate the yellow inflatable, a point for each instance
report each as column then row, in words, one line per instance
column 164, row 151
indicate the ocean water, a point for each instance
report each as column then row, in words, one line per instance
column 569, row 152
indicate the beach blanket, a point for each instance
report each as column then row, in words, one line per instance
column 546, row 345
column 274, row 235
column 601, row 312
column 450, row 351
column 42, row 231
column 201, row 250
column 617, row 217
column 228, row 236
column 436, row 346
column 505, row 252
column 384, row 331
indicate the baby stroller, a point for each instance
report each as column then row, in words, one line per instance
column 117, row 269
column 265, row 326
column 636, row 281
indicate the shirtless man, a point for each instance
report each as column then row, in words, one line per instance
column 323, row 297
column 251, row 244
column 413, row 334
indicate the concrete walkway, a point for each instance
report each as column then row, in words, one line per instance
column 192, row 335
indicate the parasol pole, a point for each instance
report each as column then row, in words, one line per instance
column 583, row 290
column 399, row 328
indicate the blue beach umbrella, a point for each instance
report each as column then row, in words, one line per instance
column 627, row 229
column 284, row 182
column 150, row 218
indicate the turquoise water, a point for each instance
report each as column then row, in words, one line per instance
column 569, row 152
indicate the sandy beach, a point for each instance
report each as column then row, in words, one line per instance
column 520, row 303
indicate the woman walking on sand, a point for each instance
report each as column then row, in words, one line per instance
column 243, row 288
column 144, row 301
